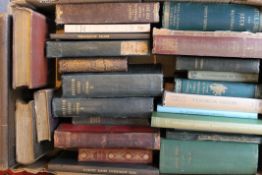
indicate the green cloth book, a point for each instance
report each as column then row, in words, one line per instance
column 207, row 157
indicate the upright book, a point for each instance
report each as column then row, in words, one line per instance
column 207, row 16
column 29, row 35
column 218, row 43
column 97, row 13
column 140, row 80
column 7, row 99
column 206, row 157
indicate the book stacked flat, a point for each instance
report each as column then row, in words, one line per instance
column 110, row 103
column 213, row 114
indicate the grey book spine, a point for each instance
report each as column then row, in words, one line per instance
column 58, row 49
column 102, row 107
column 217, row 64
column 112, row 85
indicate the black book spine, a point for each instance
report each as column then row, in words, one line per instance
column 102, row 107
column 112, row 85
column 217, row 64
column 110, row 121
column 58, row 49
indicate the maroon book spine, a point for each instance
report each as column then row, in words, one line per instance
column 141, row 156
column 107, row 13
column 71, row 140
column 198, row 43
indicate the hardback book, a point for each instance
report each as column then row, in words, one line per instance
column 103, row 107
column 223, row 76
column 96, row 48
column 140, row 80
column 7, row 98
column 177, row 42
column 206, row 123
column 92, row 1
column 45, row 123
column 120, row 13
column 68, row 162
column 209, row 136
column 249, row 2
column 69, row 136
column 217, row 64
column 206, row 157
column 192, row 111
column 100, row 36
column 99, row 64
column 207, row 17
column 28, row 149
column 29, row 35
column 129, row 121
column 217, row 88
column 237, row 104
column 137, row 156
column 107, row 28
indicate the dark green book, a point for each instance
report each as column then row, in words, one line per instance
column 211, row 16
column 209, row 136
column 139, row 81
column 59, row 49
column 205, row 157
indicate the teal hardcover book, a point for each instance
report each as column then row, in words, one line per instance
column 207, row 157
column 217, row 88
column 210, row 16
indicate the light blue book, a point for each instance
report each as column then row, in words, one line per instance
column 206, row 112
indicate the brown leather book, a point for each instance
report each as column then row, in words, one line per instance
column 107, row 13
column 115, row 155
column 29, row 62
column 105, row 64
column 7, row 102
column 104, row 137
column 199, row 43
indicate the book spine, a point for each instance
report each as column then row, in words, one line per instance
column 217, row 64
column 112, row 85
column 68, row 140
column 231, row 114
column 189, row 157
column 199, row 124
column 96, row 48
column 97, row 13
column 110, row 121
column 115, row 155
column 205, row 17
column 223, row 76
column 93, row 65
column 103, row 107
column 205, row 43
column 87, row 169
column 99, row 28
column 216, row 88
column 98, row 36
column 203, row 136
column 212, row 103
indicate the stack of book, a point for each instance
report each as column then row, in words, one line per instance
column 110, row 102
column 213, row 115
